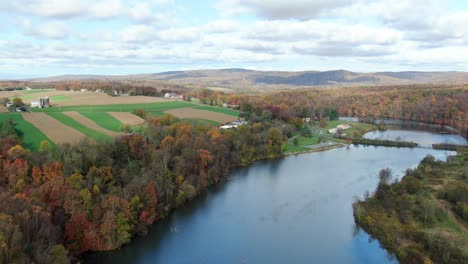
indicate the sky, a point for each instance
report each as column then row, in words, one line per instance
column 55, row 37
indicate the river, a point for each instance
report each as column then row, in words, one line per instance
column 291, row 210
column 420, row 137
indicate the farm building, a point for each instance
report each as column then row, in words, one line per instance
column 41, row 103
column 234, row 124
column 172, row 96
column 343, row 126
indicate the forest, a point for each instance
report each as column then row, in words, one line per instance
column 423, row 217
column 432, row 104
column 59, row 203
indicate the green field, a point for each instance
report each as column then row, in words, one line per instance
column 59, row 98
column 104, row 120
column 33, row 91
column 217, row 109
column 356, row 130
column 34, row 96
column 66, row 120
column 302, row 143
column 151, row 107
column 32, row 137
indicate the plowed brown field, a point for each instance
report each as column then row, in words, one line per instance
column 91, row 124
column 53, row 129
column 127, row 118
column 201, row 114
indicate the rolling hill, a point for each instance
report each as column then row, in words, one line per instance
column 251, row 79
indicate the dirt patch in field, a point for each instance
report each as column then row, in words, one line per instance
column 127, row 118
column 91, row 124
column 8, row 94
column 92, row 98
column 53, row 129
column 201, row 114
column 3, row 109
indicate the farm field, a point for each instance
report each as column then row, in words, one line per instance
column 193, row 113
column 149, row 107
column 226, row 111
column 33, row 91
column 127, row 118
column 71, row 98
column 31, row 135
column 9, row 94
column 104, row 120
column 54, row 129
column 91, row 124
column 73, row 124
column 75, row 116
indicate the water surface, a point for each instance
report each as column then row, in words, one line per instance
column 421, row 137
column 291, row 210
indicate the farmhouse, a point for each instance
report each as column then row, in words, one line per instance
column 343, row 126
column 234, row 124
column 172, row 96
column 339, row 128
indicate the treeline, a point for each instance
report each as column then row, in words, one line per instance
column 132, row 87
column 450, row 147
column 441, row 105
column 386, row 143
column 424, row 217
column 60, row 203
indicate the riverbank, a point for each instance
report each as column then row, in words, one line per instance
column 316, row 148
column 424, row 217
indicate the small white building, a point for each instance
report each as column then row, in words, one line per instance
column 343, row 126
column 172, row 96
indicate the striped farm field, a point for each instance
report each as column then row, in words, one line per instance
column 54, row 129
column 162, row 106
column 72, row 123
column 31, row 135
column 91, row 124
column 127, row 118
column 104, row 120
column 192, row 113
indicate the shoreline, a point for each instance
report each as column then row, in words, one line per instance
column 317, row 149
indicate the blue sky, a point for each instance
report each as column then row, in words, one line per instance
column 54, row 37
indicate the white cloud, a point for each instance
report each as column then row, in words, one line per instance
column 280, row 9
column 51, row 29
column 126, row 33
column 147, row 11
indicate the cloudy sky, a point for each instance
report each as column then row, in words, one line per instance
column 53, row 37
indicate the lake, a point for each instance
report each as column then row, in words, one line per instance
column 420, row 137
column 291, row 210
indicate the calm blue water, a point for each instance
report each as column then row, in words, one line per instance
column 291, row 210
column 422, row 137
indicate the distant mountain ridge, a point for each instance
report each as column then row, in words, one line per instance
column 244, row 78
